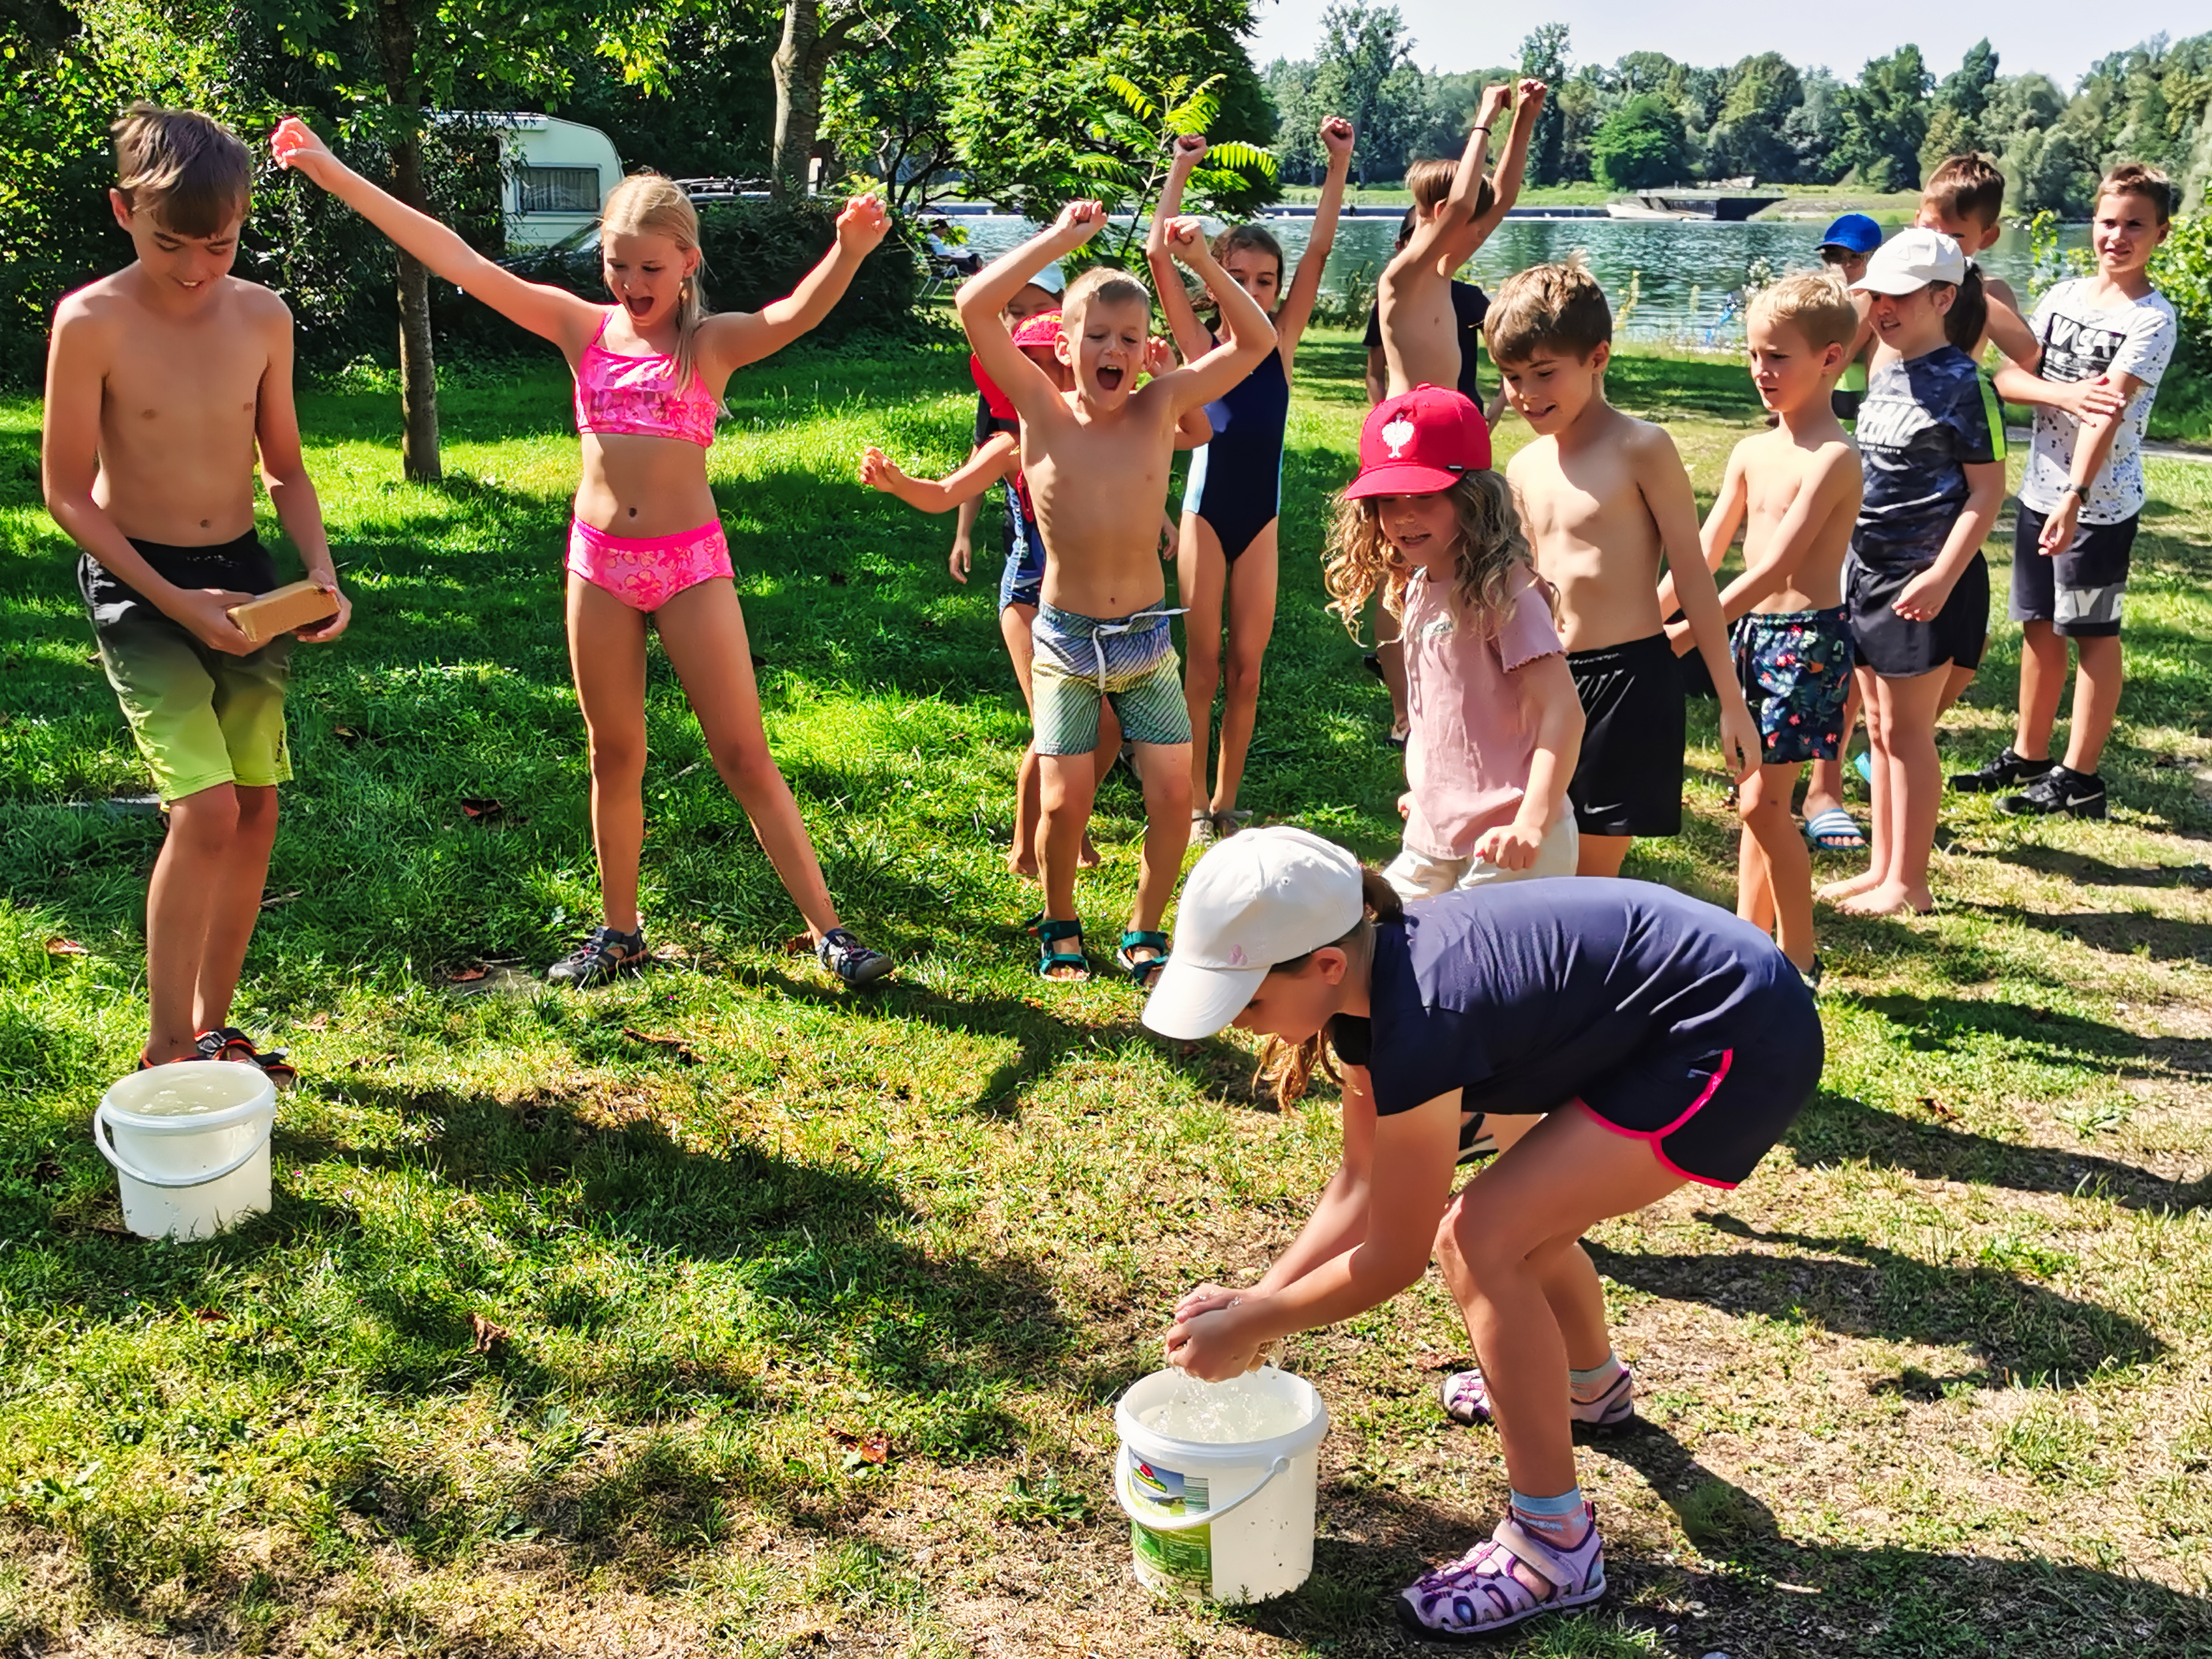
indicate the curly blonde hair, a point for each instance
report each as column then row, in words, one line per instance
column 1360, row 562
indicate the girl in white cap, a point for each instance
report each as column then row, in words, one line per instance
column 1662, row 1041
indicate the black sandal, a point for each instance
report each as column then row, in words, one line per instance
column 1141, row 972
column 1050, row 961
column 603, row 955
column 229, row 1043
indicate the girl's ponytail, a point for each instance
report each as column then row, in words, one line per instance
column 1289, row 1067
column 1968, row 319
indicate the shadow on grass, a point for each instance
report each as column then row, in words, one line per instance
column 1837, row 1129
column 828, row 1249
column 2085, row 871
column 1746, row 1589
column 2030, row 1031
column 2022, row 1331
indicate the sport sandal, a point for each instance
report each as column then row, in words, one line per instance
column 1051, row 960
column 229, row 1042
column 850, row 960
column 1141, row 969
column 599, row 958
column 1480, row 1593
column 1466, row 1400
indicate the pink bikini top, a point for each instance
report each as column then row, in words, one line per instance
column 637, row 396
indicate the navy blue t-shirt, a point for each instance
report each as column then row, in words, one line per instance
column 1922, row 423
column 1520, row 993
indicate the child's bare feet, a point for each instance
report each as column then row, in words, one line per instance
column 1837, row 891
column 1890, row 899
column 1022, row 863
column 1088, row 858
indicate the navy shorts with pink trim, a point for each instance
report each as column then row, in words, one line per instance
column 1711, row 1114
column 1666, row 1018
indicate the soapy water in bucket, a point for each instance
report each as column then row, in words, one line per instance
column 191, row 1094
column 1223, row 1414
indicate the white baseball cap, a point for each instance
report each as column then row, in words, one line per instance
column 1911, row 259
column 1052, row 279
column 1259, row 898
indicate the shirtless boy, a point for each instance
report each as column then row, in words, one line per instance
column 1964, row 198
column 1602, row 497
column 1414, row 300
column 1793, row 491
column 1098, row 459
column 162, row 381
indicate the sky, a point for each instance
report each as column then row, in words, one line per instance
column 2057, row 37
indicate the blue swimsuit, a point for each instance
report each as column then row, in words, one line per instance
column 1236, row 479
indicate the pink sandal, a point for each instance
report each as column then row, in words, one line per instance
column 1466, row 1401
column 1481, row 1593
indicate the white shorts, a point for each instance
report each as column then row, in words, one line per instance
column 1414, row 874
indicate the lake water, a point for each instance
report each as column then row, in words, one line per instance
column 1683, row 273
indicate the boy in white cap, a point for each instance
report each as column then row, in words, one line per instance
column 1931, row 444
column 1660, row 1040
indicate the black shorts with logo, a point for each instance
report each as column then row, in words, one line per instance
column 2079, row 592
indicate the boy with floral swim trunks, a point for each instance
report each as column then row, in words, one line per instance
column 1097, row 458
column 165, row 383
column 1795, row 491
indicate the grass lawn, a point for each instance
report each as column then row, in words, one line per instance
column 817, row 1302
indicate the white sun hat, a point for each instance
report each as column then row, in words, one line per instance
column 1259, row 898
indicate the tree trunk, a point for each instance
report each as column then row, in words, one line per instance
column 418, row 370
column 798, row 64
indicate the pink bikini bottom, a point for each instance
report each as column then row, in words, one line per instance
column 646, row 572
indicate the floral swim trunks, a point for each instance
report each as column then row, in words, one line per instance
column 1794, row 667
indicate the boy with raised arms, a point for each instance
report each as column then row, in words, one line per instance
column 1097, row 458
column 164, row 382
column 1793, row 491
column 1602, row 496
column 1414, row 300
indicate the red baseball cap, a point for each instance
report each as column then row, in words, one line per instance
column 1042, row 330
column 1418, row 443
column 1000, row 405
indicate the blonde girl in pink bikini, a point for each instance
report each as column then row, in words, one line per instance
column 647, row 541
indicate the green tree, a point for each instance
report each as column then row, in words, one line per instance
column 1057, row 102
column 398, row 60
column 1642, row 144
column 1359, row 73
column 1761, row 94
column 1544, row 55
column 1814, row 130
column 1886, row 119
column 891, row 102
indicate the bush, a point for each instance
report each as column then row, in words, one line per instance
column 1642, row 143
column 2181, row 270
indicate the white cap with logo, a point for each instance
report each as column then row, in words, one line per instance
column 1911, row 259
column 1262, row 897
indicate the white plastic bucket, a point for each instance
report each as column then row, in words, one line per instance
column 1227, row 1522
column 190, row 1144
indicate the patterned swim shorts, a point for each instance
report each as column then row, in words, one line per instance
column 1794, row 667
column 1081, row 662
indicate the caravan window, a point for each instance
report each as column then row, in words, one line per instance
column 559, row 189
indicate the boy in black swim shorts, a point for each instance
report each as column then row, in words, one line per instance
column 164, row 382
column 1603, row 499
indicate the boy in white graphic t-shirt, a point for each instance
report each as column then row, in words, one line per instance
column 2105, row 340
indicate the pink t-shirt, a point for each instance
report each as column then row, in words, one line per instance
column 1469, row 741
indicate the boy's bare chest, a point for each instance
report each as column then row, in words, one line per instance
column 179, row 386
column 1592, row 502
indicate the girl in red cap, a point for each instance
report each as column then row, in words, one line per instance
column 1495, row 724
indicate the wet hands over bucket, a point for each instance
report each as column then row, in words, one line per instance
column 1222, row 1414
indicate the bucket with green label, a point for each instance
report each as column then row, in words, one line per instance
column 1219, row 1482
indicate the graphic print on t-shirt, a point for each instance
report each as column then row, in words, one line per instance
column 1925, row 420
column 2081, row 341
